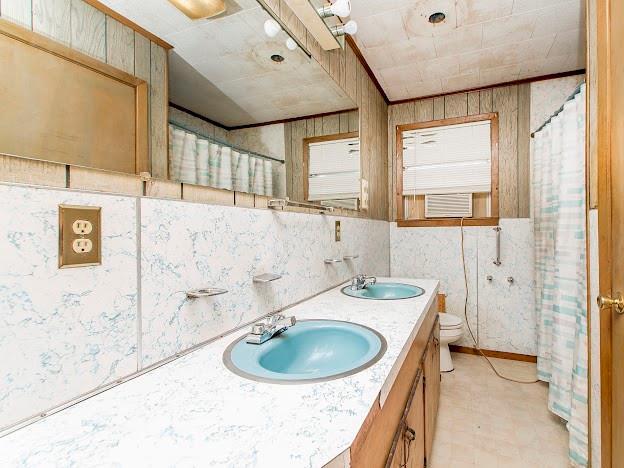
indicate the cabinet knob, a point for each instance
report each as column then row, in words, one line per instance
column 410, row 434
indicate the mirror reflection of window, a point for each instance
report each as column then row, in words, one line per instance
column 333, row 170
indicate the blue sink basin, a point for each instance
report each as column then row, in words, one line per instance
column 385, row 291
column 310, row 351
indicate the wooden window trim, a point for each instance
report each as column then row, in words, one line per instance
column 489, row 221
column 306, row 155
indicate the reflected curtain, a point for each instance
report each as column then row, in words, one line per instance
column 561, row 286
column 197, row 160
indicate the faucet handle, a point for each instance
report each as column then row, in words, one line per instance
column 258, row 328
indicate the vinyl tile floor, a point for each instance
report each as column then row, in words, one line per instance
column 487, row 422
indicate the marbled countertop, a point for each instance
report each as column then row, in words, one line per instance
column 195, row 412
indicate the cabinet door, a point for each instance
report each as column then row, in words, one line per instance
column 409, row 449
column 414, row 434
column 432, row 388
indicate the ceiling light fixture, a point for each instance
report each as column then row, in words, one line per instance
column 340, row 8
column 437, row 17
column 271, row 28
column 199, row 9
column 349, row 28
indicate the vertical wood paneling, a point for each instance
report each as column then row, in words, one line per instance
column 158, row 111
column 88, row 29
column 485, row 101
column 438, row 108
column 473, row 103
column 142, row 57
column 331, row 124
column 456, row 105
column 505, row 102
column 344, row 122
column 52, row 18
column 397, row 115
column 17, row 11
column 423, row 110
column 288, row 157
column 299, row 132
column 524, row 151
column 119, row 45
column 354, row 121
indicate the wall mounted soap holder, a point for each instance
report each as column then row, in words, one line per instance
column 329, row 261
column 350, row 257
column 266, row 278
column 205, row 292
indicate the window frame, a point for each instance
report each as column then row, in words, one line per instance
column 306, row 157
column 492, row 220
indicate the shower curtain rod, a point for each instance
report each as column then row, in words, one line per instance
column 558, row 111
column 223, row 143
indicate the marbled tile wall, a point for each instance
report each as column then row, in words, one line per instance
column 190, row 245
column 501, row 314
column 63, row 332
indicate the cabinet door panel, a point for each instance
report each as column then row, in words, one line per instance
column 432, row 389
column 415, row 421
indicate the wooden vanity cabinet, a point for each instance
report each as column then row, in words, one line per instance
column 399, row 434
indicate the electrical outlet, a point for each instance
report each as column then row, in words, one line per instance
column 82, row 227
column 337, row 231
column 80, row 236
column 82, row 245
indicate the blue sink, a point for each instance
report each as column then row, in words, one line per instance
column 385, row 291
column 310, row 351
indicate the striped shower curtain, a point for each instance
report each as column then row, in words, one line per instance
column 197, row 160
column 561, row 287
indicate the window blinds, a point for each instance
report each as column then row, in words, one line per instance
column 449, row 159
column 334, row 170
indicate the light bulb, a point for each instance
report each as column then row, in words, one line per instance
column 351, row 27
column 271, row 27
column 341, row 8
column 291, row 44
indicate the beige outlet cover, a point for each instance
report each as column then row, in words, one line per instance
column 68, row 214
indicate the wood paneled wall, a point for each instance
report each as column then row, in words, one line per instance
column 81, row 26
column 513, row 106
column 296, row 131
column 345, row 69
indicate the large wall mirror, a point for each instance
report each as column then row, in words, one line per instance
column 248, row 109
column 252, row 112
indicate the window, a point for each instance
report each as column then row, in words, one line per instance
column 446, row 170
column 332, row 168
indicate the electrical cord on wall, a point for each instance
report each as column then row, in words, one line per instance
column 468, row 323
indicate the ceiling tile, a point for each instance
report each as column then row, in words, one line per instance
column 490, row 76
column 425, row 88
column 459, row 41
column 460, row 82
column 439, row 68
column 562, row 17
column 522, row 6
column 478, row 11
column 399, row 76
column 381, row 29
column 509, row 29
column 568, row 42
column 413, row 51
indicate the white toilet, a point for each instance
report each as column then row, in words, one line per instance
column 451, row 330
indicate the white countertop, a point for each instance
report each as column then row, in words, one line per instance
column 195, row 412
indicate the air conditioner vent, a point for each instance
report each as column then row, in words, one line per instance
column 452, row 205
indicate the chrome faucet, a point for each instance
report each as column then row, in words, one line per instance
column 361, row 281
column 273, row 326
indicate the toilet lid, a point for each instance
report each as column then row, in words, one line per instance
column 449, row 321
